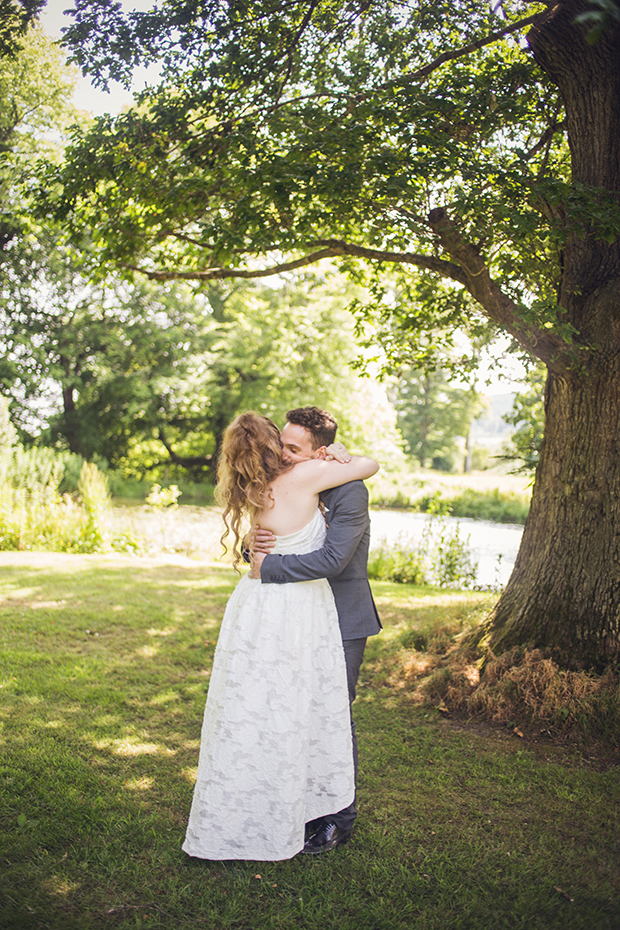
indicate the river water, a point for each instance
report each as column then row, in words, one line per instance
column 196, row 531
column 494, row 546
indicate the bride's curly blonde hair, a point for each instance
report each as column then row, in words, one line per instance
column 249, row 460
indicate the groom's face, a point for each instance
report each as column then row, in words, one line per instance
column 297, row 444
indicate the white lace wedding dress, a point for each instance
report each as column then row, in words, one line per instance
column 276, row 739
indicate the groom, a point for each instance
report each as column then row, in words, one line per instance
column 343, row 561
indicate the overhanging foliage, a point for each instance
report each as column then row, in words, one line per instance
column 417, row 135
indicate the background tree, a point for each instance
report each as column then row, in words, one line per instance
column 8, row 433
column 147, row 376
column 35, row 113
column 432, row 415
column 427, row 135
column 289, row 346
column 89, row 363
column 15, row 17
column 528, row 418
column 144, row 375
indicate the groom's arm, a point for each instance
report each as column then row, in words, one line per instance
column 346, row 527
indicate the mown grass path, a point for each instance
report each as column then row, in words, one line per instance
column 104, row 671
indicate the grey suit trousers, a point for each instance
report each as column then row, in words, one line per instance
column 353, row 653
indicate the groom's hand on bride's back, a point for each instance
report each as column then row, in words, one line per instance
column 255, row 564
column 258, row 544
column 264, row 540
column 258, row 540
column 261, row 540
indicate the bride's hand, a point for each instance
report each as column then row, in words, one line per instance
column 338, row 452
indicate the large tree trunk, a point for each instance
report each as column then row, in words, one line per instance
column 564, row 594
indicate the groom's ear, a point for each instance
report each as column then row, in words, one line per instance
column 321, row 452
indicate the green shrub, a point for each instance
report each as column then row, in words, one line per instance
column 132, row 489
column 495, row 505
column 72, row 469
column 451, row 559
column 34, row 471
column 397, row 501
column 401, row 563
column 442, row 558
column 501, row 507
column 44, row 520
column 35, row 515
column 93, row 488
column 164, row 498
column 445, row 463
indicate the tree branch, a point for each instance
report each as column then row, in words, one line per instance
column 467, row 268
column 545, row 140
column 332, row 248
column 184, row 460
column 291, row 49
column 430, row 67
column 218, row 274
column 405, row 79
column 172, row 234
column 545, row 345
column 427, row 262
column 467, row 49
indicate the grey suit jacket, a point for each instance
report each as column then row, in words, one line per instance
column 342, row 560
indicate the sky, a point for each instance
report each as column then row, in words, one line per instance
column 86, row 96
column 89, row 98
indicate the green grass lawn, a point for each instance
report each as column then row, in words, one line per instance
column 104, row 671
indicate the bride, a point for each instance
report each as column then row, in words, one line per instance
column 276, row 739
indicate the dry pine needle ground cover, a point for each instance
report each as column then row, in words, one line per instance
column 104, row 669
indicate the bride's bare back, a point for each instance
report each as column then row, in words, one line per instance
column 294, row 495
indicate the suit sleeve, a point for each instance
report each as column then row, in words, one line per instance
column 345, row 529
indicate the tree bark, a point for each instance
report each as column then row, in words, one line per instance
column 71, row 423
column 564, row 593
column 196, row 465
column 588, row 77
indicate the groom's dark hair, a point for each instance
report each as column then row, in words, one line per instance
column 319, row 423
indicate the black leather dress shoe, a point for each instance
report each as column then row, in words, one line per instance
column 312, row 826
column 327, row 837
